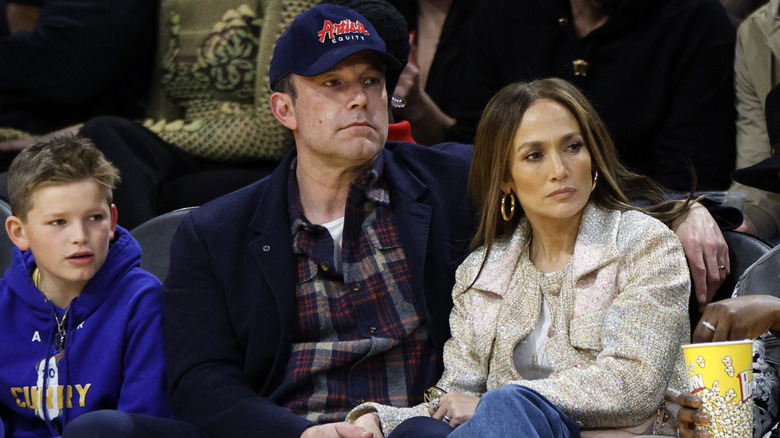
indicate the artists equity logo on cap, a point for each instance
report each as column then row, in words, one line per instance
column 333, row 30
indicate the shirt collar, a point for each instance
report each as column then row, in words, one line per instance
column 370, row 183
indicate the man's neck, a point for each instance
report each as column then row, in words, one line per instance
column 323, row 191
column 589, row 15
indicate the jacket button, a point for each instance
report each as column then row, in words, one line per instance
column 555, row 289
column 373, row 330
column 325, row 266
column 580, row 67
column 355, row 287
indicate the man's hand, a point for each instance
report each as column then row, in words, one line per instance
column 744, row 317
column 690, row 415
column 457, row 407
column 706, row 250
column 370, row 422
column 337, row 430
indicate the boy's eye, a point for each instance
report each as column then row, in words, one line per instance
column 97, row 217
column 57, row 222
column 331, row 82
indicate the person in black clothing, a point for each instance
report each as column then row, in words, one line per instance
column 659, row 72
column 80, row 59
column 427, row 85
column 753, row 312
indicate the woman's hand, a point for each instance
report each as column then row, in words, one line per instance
column 457, row 407
column 744, row 317
column 689, row 416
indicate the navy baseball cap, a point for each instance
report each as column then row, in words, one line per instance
column 323, row 36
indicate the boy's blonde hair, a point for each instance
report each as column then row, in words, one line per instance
column 60, row 160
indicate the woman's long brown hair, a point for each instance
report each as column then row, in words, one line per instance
column 618, row 188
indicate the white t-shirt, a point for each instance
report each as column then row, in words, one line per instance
column 336, row 230
column 530, row 356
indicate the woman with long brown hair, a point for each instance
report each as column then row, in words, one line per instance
column 573, row 305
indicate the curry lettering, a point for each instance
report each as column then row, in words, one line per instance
column 70, row 395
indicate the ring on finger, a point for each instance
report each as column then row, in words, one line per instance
column 434, row 405
column 708, row 325
column 397, row 102
column 721, row 268
column 446, row 419
column 433, row 393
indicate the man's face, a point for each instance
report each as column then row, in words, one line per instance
column 340, row 117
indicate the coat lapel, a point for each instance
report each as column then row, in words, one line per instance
column 594, row 248
column 595, row 241
column 412, row 215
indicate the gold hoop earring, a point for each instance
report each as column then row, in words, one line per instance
column 595, row 180
column 508, row 217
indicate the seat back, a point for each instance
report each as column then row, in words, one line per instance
column 762, row 277
column 744, row 250
column 6, row 246
column 155, row 236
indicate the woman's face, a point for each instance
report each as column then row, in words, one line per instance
column 550, row 167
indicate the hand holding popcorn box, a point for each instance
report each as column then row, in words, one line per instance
column 719, row 373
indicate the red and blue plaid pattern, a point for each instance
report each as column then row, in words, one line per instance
column 360, row 333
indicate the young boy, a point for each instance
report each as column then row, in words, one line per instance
column 80, row 322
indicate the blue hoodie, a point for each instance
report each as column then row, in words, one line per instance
column 113, row 355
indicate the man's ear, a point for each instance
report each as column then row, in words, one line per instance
column 15, row 229
column 283, row 109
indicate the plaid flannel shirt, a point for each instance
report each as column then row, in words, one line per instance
column 360, row 333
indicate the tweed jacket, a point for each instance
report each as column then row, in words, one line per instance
column 618, row 321
column 756, row 71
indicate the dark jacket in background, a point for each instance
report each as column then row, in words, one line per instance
column 660, row 74
column 85, row 58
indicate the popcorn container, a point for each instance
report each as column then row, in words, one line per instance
column 719, row 373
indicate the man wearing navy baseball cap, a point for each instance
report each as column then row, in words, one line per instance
column 326, row 284
column 329, row 282
column 315, row 43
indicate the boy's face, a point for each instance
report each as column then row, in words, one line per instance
column 68, row 230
